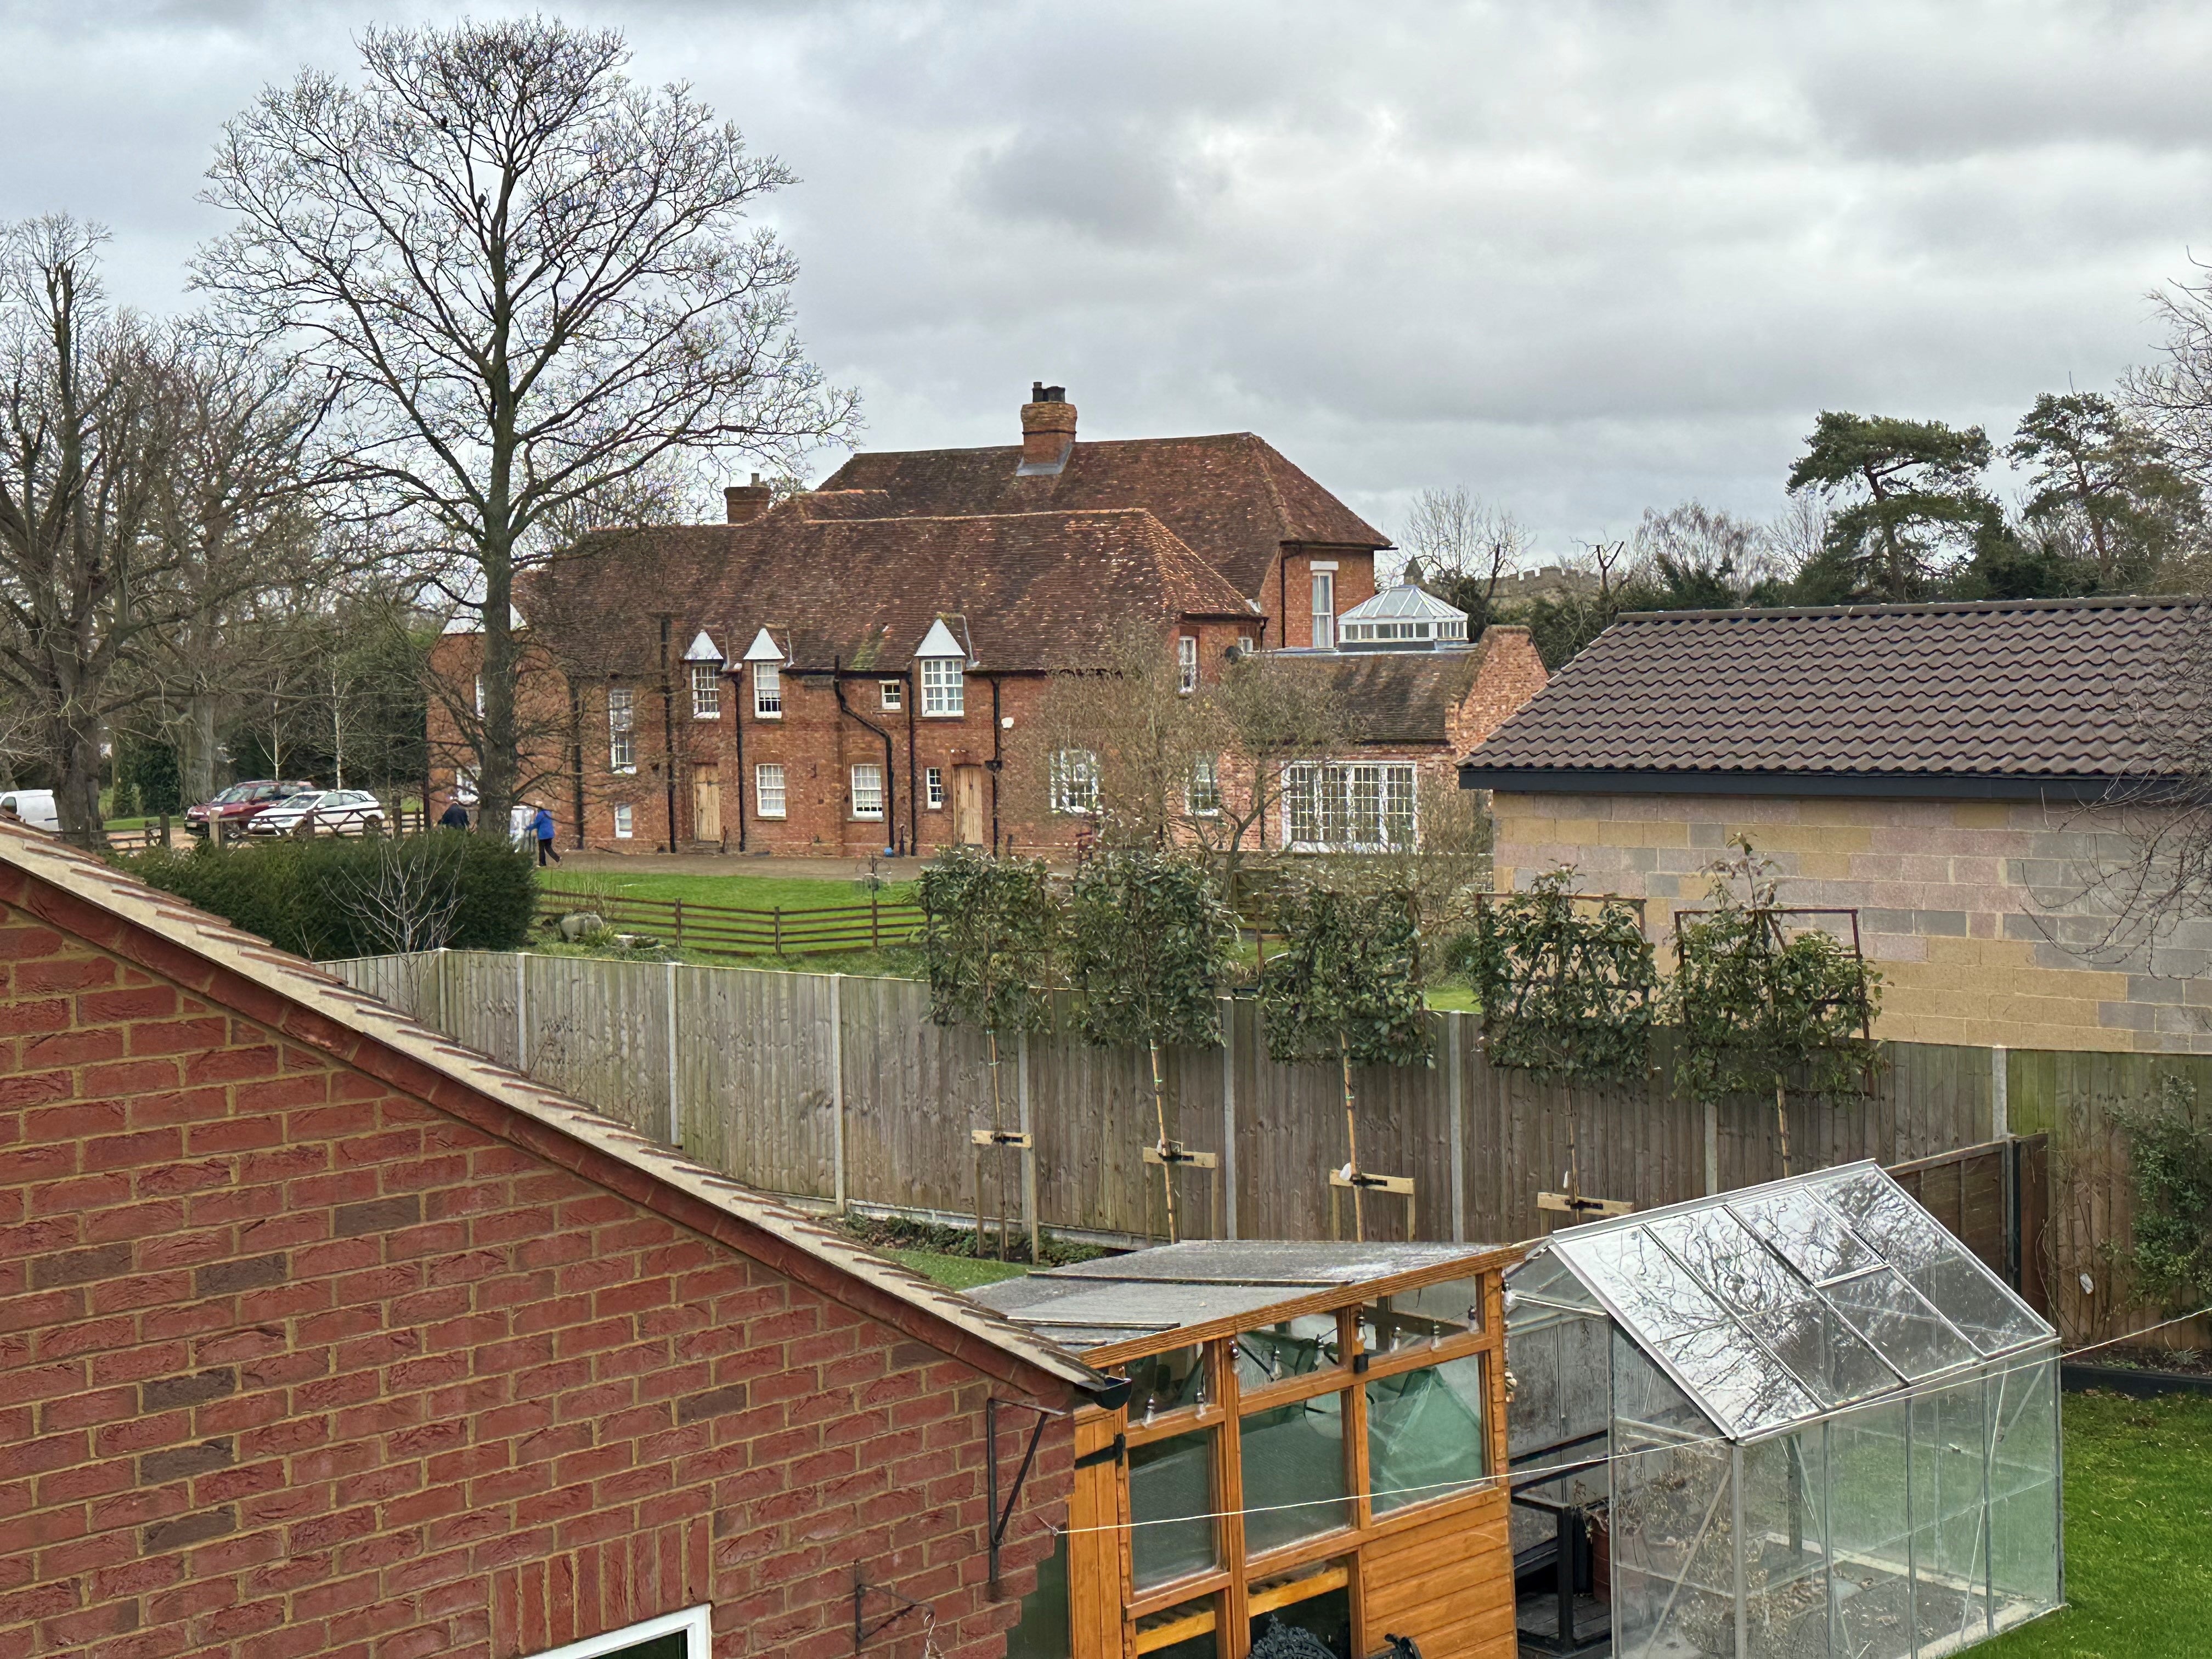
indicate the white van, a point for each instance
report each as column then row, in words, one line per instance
column 34, row 807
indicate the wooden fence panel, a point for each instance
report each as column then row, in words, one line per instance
column 598, row 1030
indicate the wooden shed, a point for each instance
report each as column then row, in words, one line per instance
column 1313, row 1437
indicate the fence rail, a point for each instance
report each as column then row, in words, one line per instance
column 730, row 930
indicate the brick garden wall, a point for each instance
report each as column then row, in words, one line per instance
column 292, row 1364
column 1982, row 916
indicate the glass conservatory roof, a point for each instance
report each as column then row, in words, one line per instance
column 1778, row 1303
column 1403, row 601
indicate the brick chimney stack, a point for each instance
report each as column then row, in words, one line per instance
column 1048, row 427
column 743, row 504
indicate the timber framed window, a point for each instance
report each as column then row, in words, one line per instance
column 893, row 693
column 868, row 790
column 932, row 783
column 706, row 691
column 623, row 823
column 1187, row 663
column 1074, row 782
column 621, row 729
column 768, row 692
column 944, row 688
column 1360, row 806
column 768, row 790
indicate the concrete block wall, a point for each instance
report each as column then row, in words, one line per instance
column 1988, row 920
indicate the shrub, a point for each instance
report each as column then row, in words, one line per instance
column 330, row 898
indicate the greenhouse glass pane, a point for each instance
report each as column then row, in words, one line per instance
column 1870, row 1533
column 1825, row 1354
column 1425, row 1435
column 1647, row 1408
column 1939, row 1266
column 1295, row 1484
column 1548, row 1276
column 2023, row 1423
column 1903, row 1327
column 1742, row 1273
column 1785, row 1554
column 1809, row 1236
column 1735, row 1380
column 1670, row 1528
column 1171, row 1501
column 2024, row 1489
column 1950, row 1517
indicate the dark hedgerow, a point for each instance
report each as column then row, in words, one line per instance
column 329, row 898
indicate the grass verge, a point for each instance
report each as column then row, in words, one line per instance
column 2138, row 1533
column 765, row 892
column 957, row 1272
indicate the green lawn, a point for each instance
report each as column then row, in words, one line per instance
column 2138, row 1533
column 956, row 1273
column 763, row 892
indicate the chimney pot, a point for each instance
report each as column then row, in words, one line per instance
column 743, row 504
column 1048, row 428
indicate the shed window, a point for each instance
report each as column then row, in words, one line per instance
column 943, row 690
column 1171, row 1488
column 622, row 735
column 1295, row 1481
column 768, row 692
column 1425, row 1433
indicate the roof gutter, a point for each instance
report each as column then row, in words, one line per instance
column 1895, row 786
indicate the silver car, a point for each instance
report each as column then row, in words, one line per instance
column 325, row 812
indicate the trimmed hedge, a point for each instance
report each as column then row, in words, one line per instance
column 312, row 897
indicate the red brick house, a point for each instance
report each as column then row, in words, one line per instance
column 838, row 673
column 319, row 1335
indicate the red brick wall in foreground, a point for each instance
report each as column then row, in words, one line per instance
column 291, row 1364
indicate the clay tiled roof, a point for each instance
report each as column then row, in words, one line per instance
column 1232, row 498
column 1035, row 591
column 2007, row 697
column 1396, row 696
column 249, row 976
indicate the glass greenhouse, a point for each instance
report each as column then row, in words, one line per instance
column 1795, row 1419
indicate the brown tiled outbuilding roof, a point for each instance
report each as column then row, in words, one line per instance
column 1232, row 498
column 2004, row 698
column 1033, row 591
column 248, row 976
column 1395, row 696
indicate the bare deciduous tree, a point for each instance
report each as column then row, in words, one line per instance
column 1467, row 545
column 530, row 284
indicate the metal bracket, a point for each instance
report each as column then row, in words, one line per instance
column 1112, row 1452
column 864, row 1633
column 1001, row 1518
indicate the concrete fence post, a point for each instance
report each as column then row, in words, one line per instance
column 1454, row 1095
column 522, row 1011
column 2000, row 1102
column 675, row 1079
column 837, row 1086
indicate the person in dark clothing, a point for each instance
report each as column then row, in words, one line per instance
column 543, row 824
column 455, row 817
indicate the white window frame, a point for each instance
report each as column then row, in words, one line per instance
column 932, row 783
column 621, row 729
column 625, row 825
column 768, row 692
column 480, row 702
column 875, row 768
column 761, row 783
column 944, row 688
column 1327, row 805
column 1186, row 663
column 894, row 694
column 1074, row 782
column 1202, row 795
column 706, row 691
column 695, row 1624
column 1324, row 610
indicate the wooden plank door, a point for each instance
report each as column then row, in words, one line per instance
column 706, row 803
column 968, row 805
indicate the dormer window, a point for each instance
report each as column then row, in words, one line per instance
column 764, row 657
column 704, row 660
column 944, row 662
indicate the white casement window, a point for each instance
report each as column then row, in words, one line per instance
column 894, row 692
column 1203, row 797
column 1187, row 664
column 686, row 1635
column 1365, row 807
column 622, row 824
column 768, row 692
column 1324, row 610
column 944, row 687
column 768, row 790
column 1074, row 781
column 1245, row 643
column 621, row 729
column 868, row 790
column 706, row 691
column 932, row 783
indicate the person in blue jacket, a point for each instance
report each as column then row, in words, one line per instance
column 544, row 825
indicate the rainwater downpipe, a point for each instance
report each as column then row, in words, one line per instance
column 737, row 716
column 891, row 805
column 998, row 732
column 913, row 793
column 668, row 730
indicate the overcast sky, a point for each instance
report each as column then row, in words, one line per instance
column 1580, row 258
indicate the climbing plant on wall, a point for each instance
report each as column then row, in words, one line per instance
column 1150, row 945
column 2170, row 1167
column 1567, row 986
column 1766, row 1001
column 990, row 926
column 1345, row 988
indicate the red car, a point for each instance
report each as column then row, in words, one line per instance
column 233, row 805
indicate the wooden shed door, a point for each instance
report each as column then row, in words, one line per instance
column 967, row 805
column 707, row 803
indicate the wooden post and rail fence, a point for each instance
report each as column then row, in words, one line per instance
column 838, row 1091
column 736, row 931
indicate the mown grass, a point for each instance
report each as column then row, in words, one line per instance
column 2138, row 1533
column 956, row 1273
column 745, row 892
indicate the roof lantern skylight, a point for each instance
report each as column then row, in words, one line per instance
column 1406, row 617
